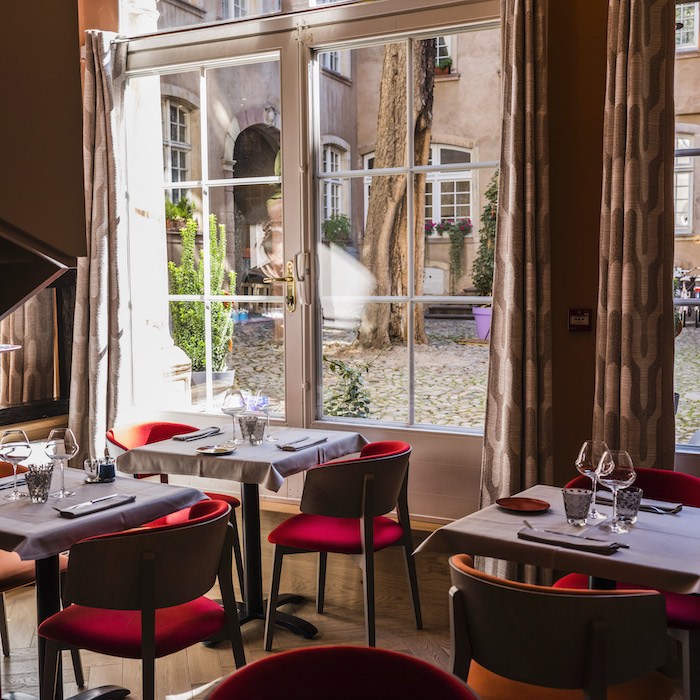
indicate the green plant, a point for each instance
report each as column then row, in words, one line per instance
column 337, row 229
column 182, row 209
column 444, row 63
column 188, row 278
column 482, row 267
column 457, row 232
column 349, row 397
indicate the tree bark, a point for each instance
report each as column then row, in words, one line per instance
column 385, row 251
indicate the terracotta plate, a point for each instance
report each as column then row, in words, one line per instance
column 216, row 450
column 523, row 505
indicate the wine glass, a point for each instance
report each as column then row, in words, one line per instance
column 14, row 447
column 267, row 403
column 234, row 403
column 61, row 446
column 616, row 471
column 587, row 462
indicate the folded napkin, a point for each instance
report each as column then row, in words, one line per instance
column 199, row 434
column 569, row 541
column 650, row 505
column 7, row 482
column 290, row 447
column 79, row 509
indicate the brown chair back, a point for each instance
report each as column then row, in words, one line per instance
column 148, row 568
column 559, row 638
column 340, row 489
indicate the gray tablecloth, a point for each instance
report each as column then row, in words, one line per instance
column 664, row 550
column 36, row 530
column 261, row 464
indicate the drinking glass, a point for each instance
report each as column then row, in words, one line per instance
column 14, row 447
column 234, row 403
column 587, row 462
column 60, row 447
column 616, row 471
column 268, row 403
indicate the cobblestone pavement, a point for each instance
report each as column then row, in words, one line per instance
column 450, row 373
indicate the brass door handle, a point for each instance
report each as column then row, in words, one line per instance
column 290, row 287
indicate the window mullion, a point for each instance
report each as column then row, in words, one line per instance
column 410, row 233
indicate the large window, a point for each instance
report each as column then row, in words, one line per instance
column 686, row 26
column 176, row 146
column 683, row 183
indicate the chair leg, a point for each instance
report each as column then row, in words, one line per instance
column 237, row 555
column 77, row 667
column 272, row 598
column 50, row 680
column 368, row 586
column 321, row 585
column 148, row 677
column 690, row 654
column 3, row 627
column 412, row 580
column 163, row 478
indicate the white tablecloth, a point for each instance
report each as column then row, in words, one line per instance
column 260, row 464
column 664, row 550
column 37, row 531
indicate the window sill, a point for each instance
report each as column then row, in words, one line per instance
column 447, row 78
column 336, row 76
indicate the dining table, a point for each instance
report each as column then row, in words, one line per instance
column 39, row 532
column 660, row 550
column 266, row 464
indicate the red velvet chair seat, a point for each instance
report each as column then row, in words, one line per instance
column 682, row 611
column 320, row 533
column 341, row 673
column 118, row 632
column 129, row 436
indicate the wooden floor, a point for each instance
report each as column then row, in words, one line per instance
column 192, row 673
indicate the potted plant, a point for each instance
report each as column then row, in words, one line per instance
column 482, row 267
column 188, row 316
column 176, row 213
column 443, row 66
column 337, row 229
column 459, row 229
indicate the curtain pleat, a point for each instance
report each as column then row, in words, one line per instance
column 28, row 373
column 518, row 432
column 100, row 333
column 633, row 407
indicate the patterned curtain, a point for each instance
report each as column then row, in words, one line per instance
column 100, row 334
column 634, row 342
column 28, row 374
column 518, row 432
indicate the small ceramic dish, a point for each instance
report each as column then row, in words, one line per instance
column 216, row 450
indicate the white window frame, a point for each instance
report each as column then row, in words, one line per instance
column 683, row 168
column 437, row 182
column 235, row 9
column 443, row 48
column 176, row 149
column 687, row 39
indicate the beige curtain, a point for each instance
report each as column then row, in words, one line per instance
column 28, row 374
column 100, row 334
column 634, row 342
column 518, row 431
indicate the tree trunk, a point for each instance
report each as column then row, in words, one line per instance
column 385, row 251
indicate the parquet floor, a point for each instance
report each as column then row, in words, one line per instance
column 191, row 673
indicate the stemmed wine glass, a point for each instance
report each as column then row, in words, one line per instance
column 234, row 403
column 616, row 471
column 60, row 447
column 587, row 462
column 14, row 447
column 267, row 403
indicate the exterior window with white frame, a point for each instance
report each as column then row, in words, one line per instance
column 687, row 26
column 332, row 188
column 442, row 48
column 330, row 60
column 176, row 145
column 234, row 9
column 448, row 195
column 683, row 185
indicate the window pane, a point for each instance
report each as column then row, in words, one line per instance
column 243, row 122
column 357, row 382
column 451, row 368
column 354, row 116
column 354, row 251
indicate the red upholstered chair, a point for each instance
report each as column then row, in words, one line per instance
column 342, row 510
column 682, row 611
column 127, row 437
column 341, row 673
column 152, row 604
column 516, row 641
